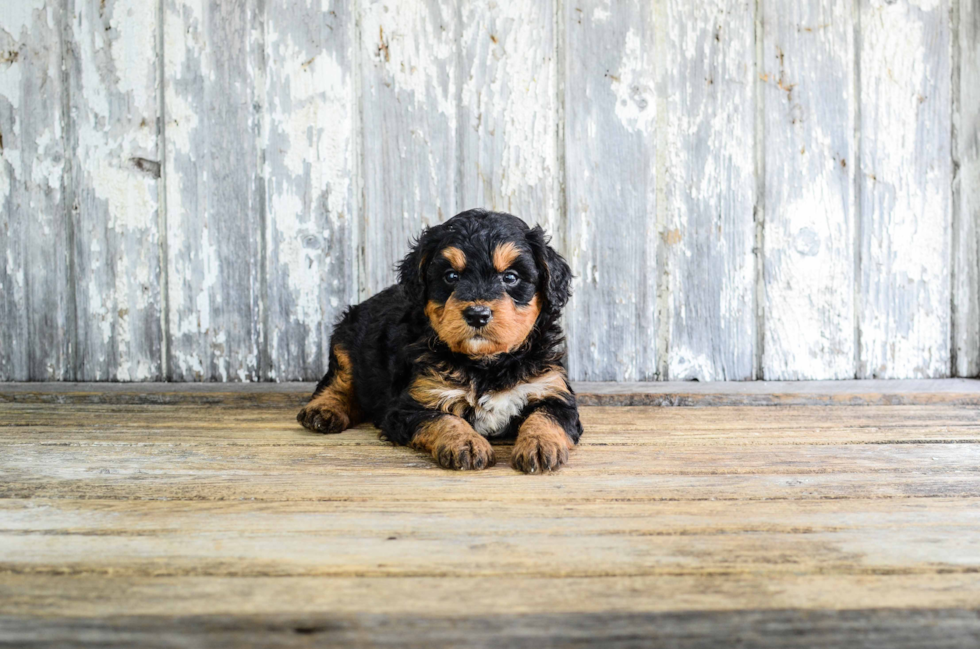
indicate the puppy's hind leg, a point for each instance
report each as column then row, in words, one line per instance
column 333, row 407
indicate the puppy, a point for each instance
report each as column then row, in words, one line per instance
column 465, row 348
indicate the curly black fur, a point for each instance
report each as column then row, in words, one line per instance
column 390, row 340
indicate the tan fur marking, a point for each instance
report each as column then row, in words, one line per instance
column 442, row 390
column 447, row 320
column 504, row 255
column 436, row 392
column 541, row 445
column 456, row 257
column 454, row 444
column 550, row 384
column 495, row 410
column 507, row 330
column 335, row 406
column 511, row 324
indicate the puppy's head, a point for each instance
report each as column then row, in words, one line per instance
column 484, row 280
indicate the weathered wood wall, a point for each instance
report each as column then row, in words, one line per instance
column 194, row 189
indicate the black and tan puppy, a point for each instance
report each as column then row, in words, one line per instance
column 465, row 348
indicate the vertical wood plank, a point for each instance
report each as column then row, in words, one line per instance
column 409, row 88
column 508, row 111
column 710, row 190
column 610, row 112
column 35, row 240
column 311, row 181
column 212, row 53
column 905, row 188
column 809, row 198
column 115, row 167
column 966, row 290
column 459, row 108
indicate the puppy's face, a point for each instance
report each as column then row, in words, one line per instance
column 482, row 295
column 485, row 278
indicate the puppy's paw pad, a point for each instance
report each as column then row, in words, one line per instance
column 323, row 420
column 473, row 453
column 539, row 454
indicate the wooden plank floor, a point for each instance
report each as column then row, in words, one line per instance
column 190, row 524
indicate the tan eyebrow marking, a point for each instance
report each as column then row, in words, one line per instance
column 456, row 257
column 504, row 255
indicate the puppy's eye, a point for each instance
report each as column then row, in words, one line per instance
column 451, row 277
column 510, row 278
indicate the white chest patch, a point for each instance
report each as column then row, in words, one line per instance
column 494, row 410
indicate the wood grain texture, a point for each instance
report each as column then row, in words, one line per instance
column 249, row 598
column 409, row 93
column 508, row 128
column 641, row 454
column 35, row 233
column 335, row 540
column 310, row 182
column 199, row 471
column 115, row 176
column 270, row 425
column 212, row 59
column 966, row 218
column 611, row 196
column 710, row 191
column 905, row 187
column 809, row 204
column 175, row 525
column 962, row 392
column 901, row 628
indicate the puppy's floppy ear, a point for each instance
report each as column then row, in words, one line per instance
column 556, row 276
column 412, row 269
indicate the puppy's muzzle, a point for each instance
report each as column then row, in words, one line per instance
column 477, row 316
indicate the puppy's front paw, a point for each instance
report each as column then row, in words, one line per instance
column 541, row 445
column 473, row 453
column 323, row 419
column 454, row 444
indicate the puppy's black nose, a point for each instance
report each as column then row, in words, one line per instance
column 477, row 316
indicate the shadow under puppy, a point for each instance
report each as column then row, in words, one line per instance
column 465, row 348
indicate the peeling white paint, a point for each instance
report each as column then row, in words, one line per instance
column 411, row 47
column 49, row 166
column 133, row 65
column 508, row 111
column 181, row 36
column 115, row 123
column 708, row 237
column 409, row 66
column 473, row 90
column 11, row 89
column 810, row 164
column 6, row 172
column 213, row 103
column 301, row 264
column 905, row 199
column 131, row 204
column 17, row 15
column 633, row 85
column 308, row 136
column 808, row 339
column 602, row 12
column 610, row 187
